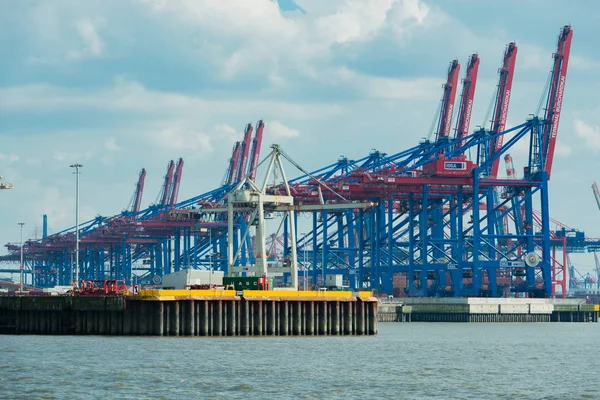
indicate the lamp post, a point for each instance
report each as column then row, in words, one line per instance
column 76, row 267
column 21, row 267
column 304, row 264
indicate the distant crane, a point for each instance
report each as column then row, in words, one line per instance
column 555, row 95
column 136, row 200
column 504, row 88
column 596, row 193
column 466, row 99
column 255, row 152
column 174, row 190
column 163, row 195
column 448, row 97
column 5, row 185
column 244, row 152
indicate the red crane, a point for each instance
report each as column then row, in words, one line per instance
column 244, row 152
column 139, row 189
column 176, row 182
column 255, row 152
column 555, row 95
column 166, row 187
column 466, row 99
column 234, row 163
column 506, row 73
column 596, row 193
column 447, row 108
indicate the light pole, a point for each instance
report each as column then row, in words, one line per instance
column 304, row 264
column 21, row 267
column 76, row 267
column 210, row 257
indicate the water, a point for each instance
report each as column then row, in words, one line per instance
column 405, row 361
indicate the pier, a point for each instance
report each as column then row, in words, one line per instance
column 487, row 310
column 193, row 313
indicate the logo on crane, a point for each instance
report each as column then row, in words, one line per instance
column 558, row 106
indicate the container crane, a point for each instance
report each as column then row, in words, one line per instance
column 555, row 97
column 236, row 159
column 448, row 97
column 174, row 192
column 506, row 73
column 459, row 166
column 5, row 185
column 255, row 152
column 136, row 200
column 596, row 193
column 163, row 195
column 244, row 152
column 466, row 99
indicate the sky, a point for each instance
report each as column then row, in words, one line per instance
column 120, row 85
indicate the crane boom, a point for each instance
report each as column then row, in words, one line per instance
column 448, row 97
column 139, row 190
column 164, row 194
column 555, row 94
column 244, row 152
column 5, row 185
column 506, row 73
column 466, row 98
column 176, row 182
column 596, row 193
column 235, row 162
column 255, row 152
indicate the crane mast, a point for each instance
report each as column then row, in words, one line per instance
column 139, row 190
column 244, row 152
column 466, row 99
column 596, row 193
column 235, row 162
column 164, row 194
column 506, row 73
column 176, row 182
column 448, row 97
column 555, row 95
column 255, row 152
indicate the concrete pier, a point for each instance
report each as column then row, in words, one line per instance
column 473, row 309
column 193, row 313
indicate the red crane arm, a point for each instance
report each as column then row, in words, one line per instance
column 466, row 98
column 235, row 162
column 596, row 193
column 506, row 73
column 244, row 152
column 164, row 196
column 176, row 182
column 448, row 98
column 255, row 153
column 139, row 190
column 555, row 94
column 229, row 176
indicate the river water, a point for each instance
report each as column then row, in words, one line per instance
column 405, row 361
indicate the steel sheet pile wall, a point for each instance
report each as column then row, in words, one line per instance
column 215, row 316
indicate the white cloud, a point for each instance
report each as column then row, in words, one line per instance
column 9, row 158
column 255, row 37
column 129, row 96
column 63, row 156
column 111, row 145
column 589, row 133
column 562, row 149
column 275, row 130
column 182, row 139
column 93, row 44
